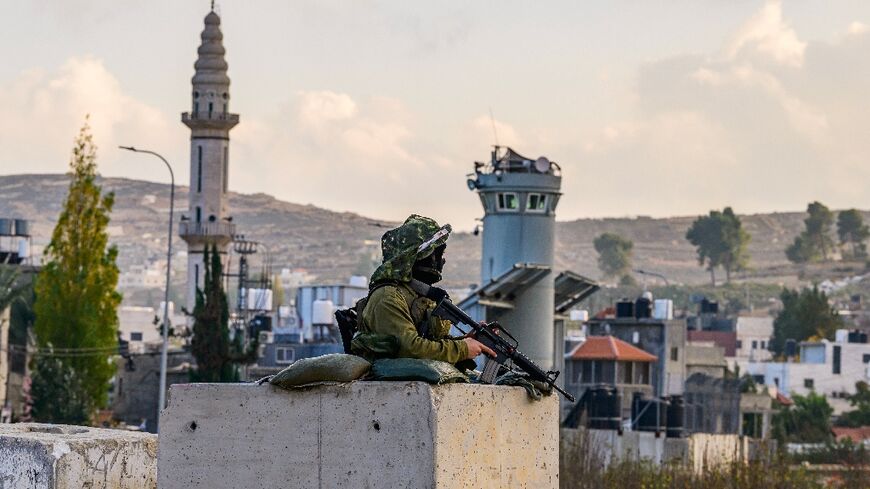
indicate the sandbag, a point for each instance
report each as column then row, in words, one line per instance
column 431, row 371
column 334, row 367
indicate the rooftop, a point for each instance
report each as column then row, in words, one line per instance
column 610, row 348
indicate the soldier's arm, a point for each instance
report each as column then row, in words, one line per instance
column 393, row 317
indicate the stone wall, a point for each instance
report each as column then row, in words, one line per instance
column 362, row 434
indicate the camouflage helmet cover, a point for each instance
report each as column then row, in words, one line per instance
column 416, row 238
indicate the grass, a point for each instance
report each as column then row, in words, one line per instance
column 581, row 467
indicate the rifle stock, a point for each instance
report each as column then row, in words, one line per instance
column 492, row 335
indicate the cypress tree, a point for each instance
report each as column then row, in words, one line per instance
column 211, row 344
column 76, row 301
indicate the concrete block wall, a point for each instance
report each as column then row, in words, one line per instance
column 362, row 434
column 44, row 456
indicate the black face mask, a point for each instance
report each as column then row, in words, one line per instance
column 428, row 270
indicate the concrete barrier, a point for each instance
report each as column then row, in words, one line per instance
column 363, row 434
column 45, row 456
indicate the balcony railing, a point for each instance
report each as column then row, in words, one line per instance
column 217, row 228
column 187, row 117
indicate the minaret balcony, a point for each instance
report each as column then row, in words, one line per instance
column 217, row 120
column 206, row 231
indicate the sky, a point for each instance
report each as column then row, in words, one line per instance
column 381, row 107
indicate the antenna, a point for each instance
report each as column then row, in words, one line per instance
column 494, row 131
column 212, row 5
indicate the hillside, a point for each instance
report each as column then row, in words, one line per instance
column 333, row 245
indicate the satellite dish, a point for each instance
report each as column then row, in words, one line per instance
column 542, row 164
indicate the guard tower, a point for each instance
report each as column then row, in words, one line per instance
column 210, row 122
column 518, row 286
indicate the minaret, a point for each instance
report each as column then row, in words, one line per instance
column 210, row 122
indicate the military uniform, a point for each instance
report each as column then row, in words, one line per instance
column 393, row 310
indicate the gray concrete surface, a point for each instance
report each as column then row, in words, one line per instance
column 44, row 456
column 364, row 434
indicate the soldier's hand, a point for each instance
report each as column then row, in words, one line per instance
column 475, row 348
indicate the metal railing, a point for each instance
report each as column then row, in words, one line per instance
column 209, row 116
column 216, row 228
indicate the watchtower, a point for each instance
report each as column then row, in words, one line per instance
column 519, row 197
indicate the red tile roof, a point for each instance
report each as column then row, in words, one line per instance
column 610, row 348
column 857, row 435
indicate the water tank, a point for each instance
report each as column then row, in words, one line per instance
column 604, row 408
column 663, row 309
column 709, row 307
column 322, row 311
column 625, row 309
column 854, row 336
column 24, row 250
column 862, row 337
column 22, row 227
column 676, row 417
column 790, row 347
column 642, row 308
column 648, row 414
column 358, row 281
column 259, row 299
column 579, row 315
column 6, row 227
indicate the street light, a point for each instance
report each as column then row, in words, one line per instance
column 653, row 274
column 164, row 351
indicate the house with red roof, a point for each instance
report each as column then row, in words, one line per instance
column 609, row 360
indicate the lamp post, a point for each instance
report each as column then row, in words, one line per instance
column 164, row 351
column 653, row 274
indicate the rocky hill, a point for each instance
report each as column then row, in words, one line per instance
column 333, row 245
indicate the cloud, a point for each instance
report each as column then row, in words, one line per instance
column 767, row 33
column 42, row 112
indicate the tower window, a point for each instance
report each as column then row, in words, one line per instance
column 210, row 108
column 508, row 201
column 226, row 168
column 226, row 96
column 536, row 203
column 196, row 275
column 225, row 108
column 199, row 169
column 195, row 94
column 195, row 107
column 198, row 214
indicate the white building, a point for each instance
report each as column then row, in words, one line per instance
column 137, row 324
column 753, row 338
column 826, row 367
column 151, row 276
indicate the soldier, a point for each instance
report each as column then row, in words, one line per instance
column 394, row 320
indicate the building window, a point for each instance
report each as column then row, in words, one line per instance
column 763, row 345
column 226, row 167
column 536, row 203
column 866, row 358
column 776, row 382
column 199, row 168
column 508, row 201
column 754, row 345
column 641, row 373
column 195, row 108
column 739, row 344
column 675, row 353
column 627, row 376
column 836, row 364
column 284, row 355
column 198, row 214
column 196, row 275
column 808, row 383
column 136, row 336
column 586, row 372
column 759, row 379
column 210, row 109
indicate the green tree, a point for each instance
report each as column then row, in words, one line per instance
column 76, row 301
column 815, row 241
column 805, row 314
column 614, row 255
column 860, row 400
column 720, row 240
column 852, row 231
column 807, row 421
column 217, row 356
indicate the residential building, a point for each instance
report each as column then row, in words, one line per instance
column 830, row 368
column 609, row 360
column 753, row 338
column 664, row 339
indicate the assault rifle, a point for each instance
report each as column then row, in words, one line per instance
column 492, row 335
